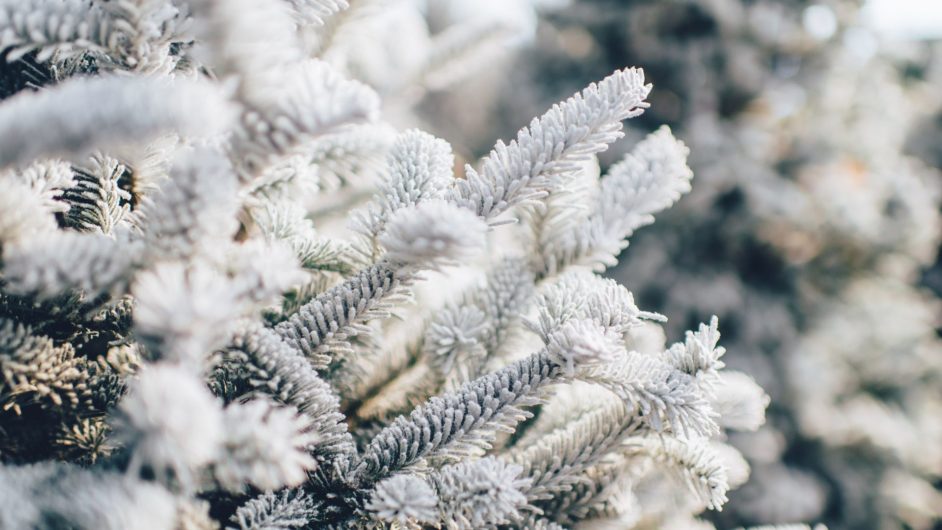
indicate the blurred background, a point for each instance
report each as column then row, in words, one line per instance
column 813, row 229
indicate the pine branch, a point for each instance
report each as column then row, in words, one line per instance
column 105, row 113
column 281, row 371
column 552, row 145
column 273, row 511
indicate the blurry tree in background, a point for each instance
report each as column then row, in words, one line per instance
column 813, row 224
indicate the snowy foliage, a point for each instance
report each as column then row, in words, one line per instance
column 231, row 296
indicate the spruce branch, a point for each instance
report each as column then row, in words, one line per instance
column 277, row 369
column 647, row 180
column 552, row 145
column 105, row 113
column 311, row 100
column 287, row 510
column 404, row 500
column 481, row 493
column 63, row 261
column 264, row 446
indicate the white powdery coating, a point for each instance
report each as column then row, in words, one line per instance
column 264, row 269
column 251, row 39
column 581, row 342
column 316, row 11
column 420, row 168
column 171, row 422
column 194, row 211
column 106, row 113
column 739, row 401
column 311, row 99
column 61, row 261
column 432, row 234
column 699, row 355
column 553, row 144
column 404, row 499
column 22, row 212
column 264, row 446
column 480, row 494
column 182, row 313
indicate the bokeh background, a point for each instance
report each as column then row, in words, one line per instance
column 813, row 229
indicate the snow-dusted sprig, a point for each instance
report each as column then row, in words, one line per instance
column 561, row 459
column 667, row 398
column 699, row 355
column 432, row 235
column 105, row 113
column 287, row 510
column 458, row 340
column 602, row 486
column 62, row 261
column 66, row 27
column 261, row 270
column 429, row 236
column 310, row 100
column 181, row 313
column 251, row 41
column 647, row 180
column 316, row 11
column 23, row 212
column 287, row 221
column 128, row 34
column 465, row 421
column 462, row 49
column 694, row 462
column 479, row 493
column 419, row 169
column 171, row 424
column 57, row 494
column 194, row 211
column 351, row 156
column 552, row 145
column 739, row 401
column 322, row 327
column 581, row 295
column 49, row 179
column 277, row 369
column 460, row 423
column 96, row 202
column 406, row 500
column 578, row 343
column 264, row 446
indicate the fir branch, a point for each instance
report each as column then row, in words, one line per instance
column 560, row 460
column 311, row 100
column 316, row 11
column 96, row 202
column 264, row 446
column 693, row 462
column 404, row 500
column 194, row 210
column 481, row 493
column 105, row 113
column 419, row 169
column 281, row 371
column 63, row 261
column 172, row 425
column 62, row 27
column 552, row 145
column 273, row 511
column 647, row 180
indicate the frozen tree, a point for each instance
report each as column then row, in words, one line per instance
column 231, row 295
